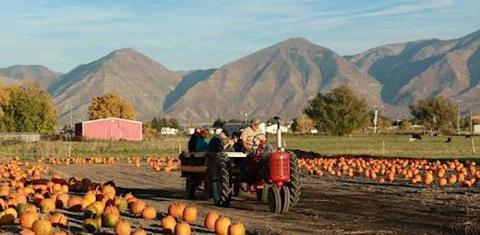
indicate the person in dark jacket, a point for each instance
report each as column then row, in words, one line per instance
column 220, row 142
column 192, row 142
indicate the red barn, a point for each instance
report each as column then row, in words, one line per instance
column 109, row 129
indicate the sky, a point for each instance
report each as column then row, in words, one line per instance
column 200, row 34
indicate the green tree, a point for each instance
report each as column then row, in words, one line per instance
column 435, row 113
column 110, row 105
column 405, row 125
column 302, row 124
column 27, row 108
column 159, row 123
column 338, row 112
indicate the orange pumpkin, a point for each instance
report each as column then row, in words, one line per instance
column 75, row 203
column 183, row 229
column 27, row 219
column 236, row 229
column 190, row 214
column 176, row 209
column 62, row 200
column 26, row 232
column 111, row 210
column 139, row 232
column 210, row 220
column 168, row 224
column 221, row 225
column 137, row 207
column 149, row 213
column 123, row 228
column 42, row 227
column 110, row 220
column 58, row 219
column 47, row 205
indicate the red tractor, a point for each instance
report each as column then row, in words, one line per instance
column 273, row 175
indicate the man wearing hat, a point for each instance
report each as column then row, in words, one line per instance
column 249, row 134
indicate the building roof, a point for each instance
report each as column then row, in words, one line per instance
column 111, row 118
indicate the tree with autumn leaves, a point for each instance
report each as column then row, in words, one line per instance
column 26, row 108
column 110, row 105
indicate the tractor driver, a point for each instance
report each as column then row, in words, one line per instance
column 251, row 134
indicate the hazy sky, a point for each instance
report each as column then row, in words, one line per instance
column 195, row 34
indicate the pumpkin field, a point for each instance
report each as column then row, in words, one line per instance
column 145, row 195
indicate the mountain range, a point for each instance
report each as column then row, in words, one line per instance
column 277, row 80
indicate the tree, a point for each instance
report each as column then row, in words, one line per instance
column 405, row 125
column 110, row 105
column 435, row 113
column 159, row 123
column 27, row 108
column 302, row 124
column 338, row 112
column 219, row 123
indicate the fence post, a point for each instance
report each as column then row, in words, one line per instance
column 473, row 145
column 383, row 146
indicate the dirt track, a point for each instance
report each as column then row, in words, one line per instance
column 328, row 205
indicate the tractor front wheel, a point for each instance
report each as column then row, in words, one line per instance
column 274, row 199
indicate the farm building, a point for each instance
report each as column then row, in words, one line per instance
column 109, row 129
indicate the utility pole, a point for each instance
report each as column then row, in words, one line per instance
column 375, row 121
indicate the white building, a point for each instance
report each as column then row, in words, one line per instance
column 272, row 129
column 476, row 128
column 313, row 131
column 168, row 131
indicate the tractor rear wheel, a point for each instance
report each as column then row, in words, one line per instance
column 274, row 199
column 221, row 187
column 295, row 183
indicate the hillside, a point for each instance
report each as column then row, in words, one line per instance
column 278, row 80
column 125, row 72
column 34, row 73
column 416, row 70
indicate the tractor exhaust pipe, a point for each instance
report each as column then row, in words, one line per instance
column 279, row 133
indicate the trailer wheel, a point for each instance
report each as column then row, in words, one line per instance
column 274, row 199
column 190, row 186
column 295, row 183
column 221, row 187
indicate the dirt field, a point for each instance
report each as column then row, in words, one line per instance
column 328, row 205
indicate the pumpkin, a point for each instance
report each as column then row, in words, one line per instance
column 91, row 225
column 59, row 232
column 8, row 216
column 183, row 229
column 26, row 232
column 27, row 218
column 123, row 228
column 108, row 191
column 190, row 214
column 176, row 209
column 221, row 225
column 149, row 213
column 139, row 232
column 99, row 205
column 58, row 219
column 111, row 210
column 91, row 212
column 236, row 229
column 168, row 224
column 47, row 205
column 210, row 220
column 42, row 227
column 121, row 203
column 75, row 203
column 62, row 200
column 110, row 220
column 137, row 207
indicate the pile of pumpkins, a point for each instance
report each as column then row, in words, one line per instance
column 180, row 216
column 82, row 160
column 37, row 204
column 414, row 171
